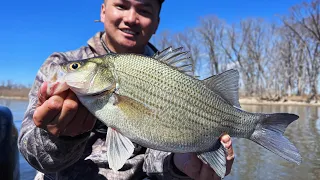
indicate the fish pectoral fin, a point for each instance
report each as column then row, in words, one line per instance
column 216, row 159
column 225, row 85
column 133, row 109
column 119, row 149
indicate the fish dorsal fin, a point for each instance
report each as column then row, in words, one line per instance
column 177, row 59
column 225, row 85
column 119, row 149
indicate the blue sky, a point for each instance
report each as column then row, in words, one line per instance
column 31, row 30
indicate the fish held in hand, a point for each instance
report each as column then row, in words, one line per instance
column 157, row 103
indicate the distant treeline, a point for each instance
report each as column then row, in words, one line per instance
column 14, row 90
column 275, row 59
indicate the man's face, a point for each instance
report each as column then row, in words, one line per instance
column 129, row 24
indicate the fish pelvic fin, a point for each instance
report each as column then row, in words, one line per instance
column 269, row 134
column 216, row 159
column 226, row 85
column 119, row 149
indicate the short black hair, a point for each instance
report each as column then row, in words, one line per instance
column 160, row 2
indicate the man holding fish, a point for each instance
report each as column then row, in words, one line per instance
column 63, row 140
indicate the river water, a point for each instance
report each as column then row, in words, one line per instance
column 252, row 161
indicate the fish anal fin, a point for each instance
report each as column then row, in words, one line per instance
column 226, row 85
column 216, row 159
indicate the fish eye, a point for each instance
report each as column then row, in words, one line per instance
column 74, row 66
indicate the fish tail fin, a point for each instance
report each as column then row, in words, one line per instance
column 269, row 134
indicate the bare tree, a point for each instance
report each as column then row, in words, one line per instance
column 275, row 60
column 189, row 40
column 210, row 32
column 304, row 22
column 258, row 45
column 232, row 44
column 292, row 58
column 163, row 40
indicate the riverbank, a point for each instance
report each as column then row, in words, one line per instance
column 14, row 97
column 296, row 100
column 252, row 160
column 18, row 93
column 257, row 101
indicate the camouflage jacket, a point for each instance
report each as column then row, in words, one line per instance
column 84, row 156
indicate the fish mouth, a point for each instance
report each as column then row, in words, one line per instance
column 106, row 91
column 86, row 92
column 102, row 93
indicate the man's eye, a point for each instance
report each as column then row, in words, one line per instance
column 145, row 11
column 120, row 7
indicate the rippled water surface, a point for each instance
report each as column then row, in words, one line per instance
column 252, row 161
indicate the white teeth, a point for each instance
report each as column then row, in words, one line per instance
column 129, row 31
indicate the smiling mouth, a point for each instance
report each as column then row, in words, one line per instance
column 127, row 31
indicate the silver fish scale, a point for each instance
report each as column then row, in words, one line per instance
column 185, row 113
